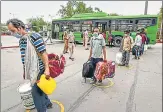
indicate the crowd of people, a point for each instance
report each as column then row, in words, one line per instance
column 37, row 55
column 128, row 43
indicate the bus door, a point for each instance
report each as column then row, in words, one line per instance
column 55, row 31
column 101, row 25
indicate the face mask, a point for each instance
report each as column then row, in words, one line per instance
column 95, row 34
column 17, row 35
column 126, row 35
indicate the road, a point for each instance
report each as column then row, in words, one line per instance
column 135, row 89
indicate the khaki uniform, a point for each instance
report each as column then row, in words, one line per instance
column 65, row 44
column 71, row 45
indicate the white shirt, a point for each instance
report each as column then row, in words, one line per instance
column 138, row 40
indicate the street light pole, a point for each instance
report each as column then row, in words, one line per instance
column 146, row 7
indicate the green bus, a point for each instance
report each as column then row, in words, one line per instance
column 114, row 24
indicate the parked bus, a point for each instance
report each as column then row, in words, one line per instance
column 114, row 24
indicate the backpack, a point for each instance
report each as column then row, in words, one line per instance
column 87, row 71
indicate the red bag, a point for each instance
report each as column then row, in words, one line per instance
column 101, row 70
column 111, row 69
column 62, row 63
column 56, row 65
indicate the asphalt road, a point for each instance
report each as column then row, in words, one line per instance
column 135, row 89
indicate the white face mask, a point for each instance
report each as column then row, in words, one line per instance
column 125, row 35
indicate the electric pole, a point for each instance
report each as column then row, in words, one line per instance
column 146, row 7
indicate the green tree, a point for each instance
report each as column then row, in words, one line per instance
column 97, row 9
column 160, row 21
column 160, row 17
column 74, row 7
column 37, row 23
column 4, row 27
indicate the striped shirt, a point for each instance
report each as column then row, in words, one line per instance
column 38, row 43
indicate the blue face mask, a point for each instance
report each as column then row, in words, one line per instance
column 17, row 35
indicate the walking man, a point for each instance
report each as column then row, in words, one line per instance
column 144, row 39
column 49, row 37
column 65, row 38
column 71, row 44
column 126, row 48
column 97, row 50
column 138, row 44
column 33, row 53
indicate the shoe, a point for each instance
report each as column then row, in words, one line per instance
column 121, row 65
column 93, row 81
column 127, row 65
column 87, row 49
column 72, row 59
column 138, row 57
column 50, row 106
column 99, row 82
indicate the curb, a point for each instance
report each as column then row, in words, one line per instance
column 18, row 46
column 9, row 47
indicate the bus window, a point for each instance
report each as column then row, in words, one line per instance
column 136, row 21
column 153, row 21
column 112, row 21
column 113, row 27
column 76, row 27
column 86, row 27
column 144, row 21
column 131, row 21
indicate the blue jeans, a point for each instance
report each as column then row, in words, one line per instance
column 40, row 99
column 125, row 57
column 142, row 48
column 138, row 51
column 94, row 62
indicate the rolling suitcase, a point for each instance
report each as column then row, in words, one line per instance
column 88, row 70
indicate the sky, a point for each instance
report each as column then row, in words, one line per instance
column 27, row 9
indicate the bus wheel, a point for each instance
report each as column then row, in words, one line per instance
column 117, row 41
